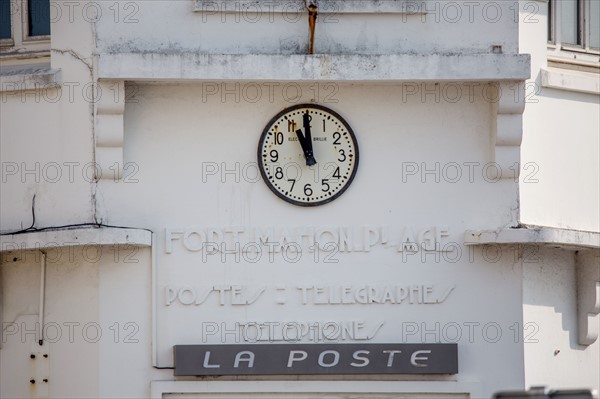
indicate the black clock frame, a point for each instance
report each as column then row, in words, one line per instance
column 264, row 174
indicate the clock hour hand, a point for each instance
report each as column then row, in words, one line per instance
column 308, row 154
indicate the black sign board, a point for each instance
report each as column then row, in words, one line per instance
column 277, row 359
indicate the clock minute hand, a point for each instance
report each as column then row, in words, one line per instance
column 301, row 140
column 310, row 160
column 308, row 151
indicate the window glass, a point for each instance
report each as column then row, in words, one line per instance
column 39, row 17
column 550, row 22
column 594, row 23
column 5, row 32
column 569, row 21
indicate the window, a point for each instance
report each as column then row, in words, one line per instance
column 574, row 31
column 38, row 18
column 5, row 25
column 24, row 28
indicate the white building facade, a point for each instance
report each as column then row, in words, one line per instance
column 153, row 155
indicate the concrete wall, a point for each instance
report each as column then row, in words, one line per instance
column 560, row 186
column 424, row 162
column 180, row 189
column 401, row 137
column 553, row 357
column 97, row 323
column 216, row 28
column 47, row 140
column 71, row 304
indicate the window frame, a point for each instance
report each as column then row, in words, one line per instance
column 580, row 54
column 21, row 44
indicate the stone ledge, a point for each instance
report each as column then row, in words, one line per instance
column 29, row 77
column 298, row 6
column 37, row 240
column 569, row 239
column 569, row 80
column 281, row 389
column 318, row 67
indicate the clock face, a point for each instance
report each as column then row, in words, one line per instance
column 308, row 155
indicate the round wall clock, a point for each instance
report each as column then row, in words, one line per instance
column 308, row 155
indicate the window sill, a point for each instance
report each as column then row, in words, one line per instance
column 37, row 39
column 299, row 6
column 575, row 58
column 30, row 77
column 7, row 42
column 12, row 53
column 570, row 80
column 27, row 48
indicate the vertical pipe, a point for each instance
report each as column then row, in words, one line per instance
column 312, row 21
column 154, row 285
column 1, row 304
column 42, row 298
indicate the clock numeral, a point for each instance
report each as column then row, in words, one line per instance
column 342, row 155
column 336, row 174
column 279, row 173
column 278, row 138
column 291, row 126
column 336, row 137
column 293, row 184
column 308, row 190
column 325, row 186
column 274, row 155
